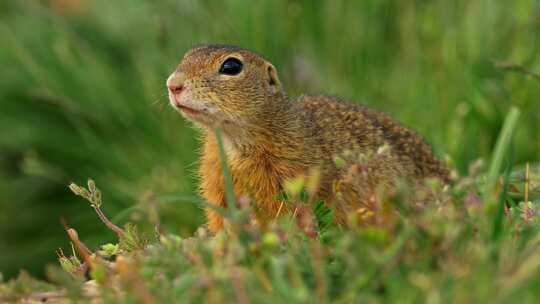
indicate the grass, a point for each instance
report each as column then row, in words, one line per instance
column 82, row 95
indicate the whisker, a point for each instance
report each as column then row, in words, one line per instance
column 160, row 99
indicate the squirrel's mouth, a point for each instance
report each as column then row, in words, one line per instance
column 197, row 111
column 184, row 108
column 187, row 110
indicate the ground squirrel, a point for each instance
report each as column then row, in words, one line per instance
column 270, row 137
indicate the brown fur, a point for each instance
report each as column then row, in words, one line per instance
column 270, row 137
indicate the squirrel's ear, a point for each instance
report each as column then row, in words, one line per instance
column 273, row 81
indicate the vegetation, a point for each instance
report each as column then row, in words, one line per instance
column 82, row 95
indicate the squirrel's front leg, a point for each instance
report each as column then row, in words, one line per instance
column 213, row 192
column 212, row 184
column 214, row 220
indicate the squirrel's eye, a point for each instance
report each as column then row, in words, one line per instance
column 231, row 66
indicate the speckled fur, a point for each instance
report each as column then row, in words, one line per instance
column 271, row 137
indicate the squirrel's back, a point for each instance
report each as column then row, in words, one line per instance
column 345, row 126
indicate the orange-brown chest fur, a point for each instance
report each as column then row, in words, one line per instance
column 257, row 177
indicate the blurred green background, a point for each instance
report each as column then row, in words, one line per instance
column 82, row 95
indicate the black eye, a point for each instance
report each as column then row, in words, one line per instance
column 231, row 66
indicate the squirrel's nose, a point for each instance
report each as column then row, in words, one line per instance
column 176, row 89
column 175, row 82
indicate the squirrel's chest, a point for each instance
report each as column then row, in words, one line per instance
column 261, row 177
column 258, row 175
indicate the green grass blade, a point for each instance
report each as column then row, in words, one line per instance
column 229, row 190
column 502, row 146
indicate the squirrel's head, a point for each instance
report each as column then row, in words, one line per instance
column 218, row 85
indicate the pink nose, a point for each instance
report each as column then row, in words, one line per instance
column 175, row 88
